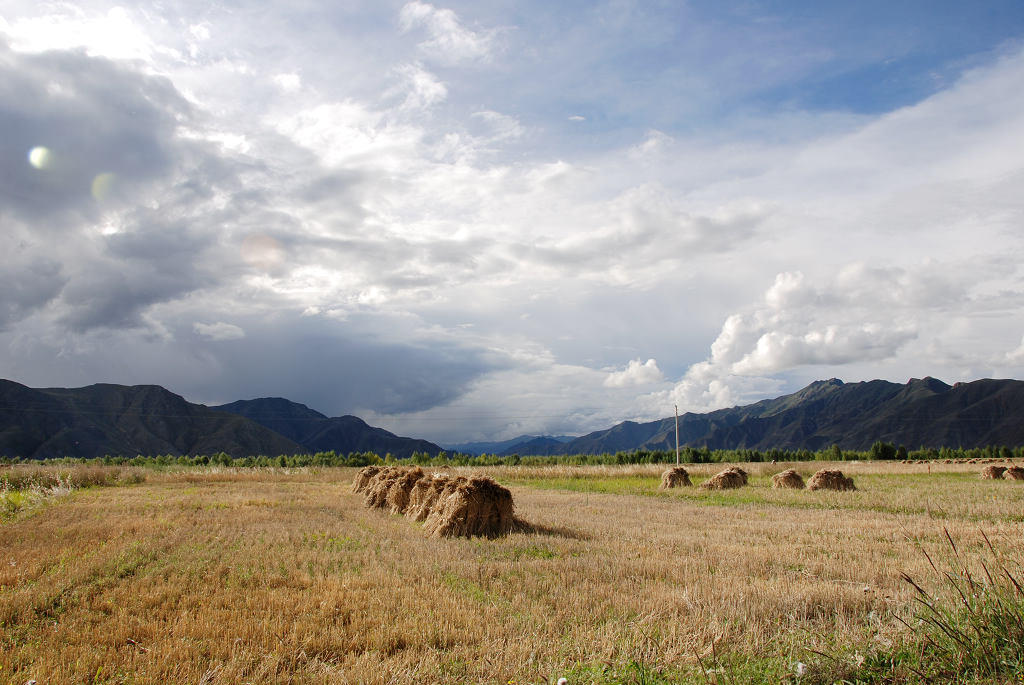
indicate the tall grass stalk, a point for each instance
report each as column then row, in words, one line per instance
column 978, row 631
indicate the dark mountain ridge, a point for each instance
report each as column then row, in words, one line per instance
column 318, row 433
column 922, row 413
column 123, row 420
column 147, row 419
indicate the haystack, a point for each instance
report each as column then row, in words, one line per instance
column 398, row 493
column 424, row 494
column 363, row 477
column 476, row 506
column 1014, row 473
column 788, row 479
column 375, row 495
column 726, row 480
column 993, row 472
column 829, row 479
column 675, row 477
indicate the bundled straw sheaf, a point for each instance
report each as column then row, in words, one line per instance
column 375, row 495
column 449, row 506
column 363, row 477
column 830, row 479
column 675, row 477
column 397, row 497
column 475, row 506
column 1014, row 473
column 993, row 472
column 726, row 480
column 788, row 479
column 424, row 494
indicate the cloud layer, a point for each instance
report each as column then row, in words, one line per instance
column 450, row 223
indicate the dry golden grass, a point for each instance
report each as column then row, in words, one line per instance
column 276, row 576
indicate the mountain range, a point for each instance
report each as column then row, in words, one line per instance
column 148, row 419
column 922, row 413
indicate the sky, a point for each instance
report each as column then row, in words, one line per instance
column 474, row 220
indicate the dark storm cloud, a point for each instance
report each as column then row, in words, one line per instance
column 94, row 117
column 335, row 367
column 149, row 210
column 27, row 287
column 152, row 262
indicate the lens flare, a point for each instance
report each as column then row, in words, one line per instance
column 40, row 157
column 262, row 251
column 102, row 186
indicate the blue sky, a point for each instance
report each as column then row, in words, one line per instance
column 475, row 220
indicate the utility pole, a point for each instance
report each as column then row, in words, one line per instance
column 677, row 434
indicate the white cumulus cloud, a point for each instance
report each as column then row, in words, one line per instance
column 635, row 373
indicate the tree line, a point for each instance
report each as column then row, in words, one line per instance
column 879, row 451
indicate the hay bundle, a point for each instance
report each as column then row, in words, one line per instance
column 363, row 477
column 424, row 494
column 375, row 495
column 726, row 480
column 397, row 497
column 675, row 477
column 993, row 472
column 788, row 479
column 829, row 479
column 475, row 506
column 1014, row 473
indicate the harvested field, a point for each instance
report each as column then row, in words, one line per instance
column 830, row 479
column 675, row 477
column 224, row 576
column 788, row 479
column 993, row 472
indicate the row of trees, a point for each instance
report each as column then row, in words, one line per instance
column 690, row 455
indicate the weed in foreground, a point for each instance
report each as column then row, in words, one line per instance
column 969, row 629
column 980, row 634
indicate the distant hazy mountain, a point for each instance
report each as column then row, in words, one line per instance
column 147, row 419
column 123, row 420
column 924, row 412
column 543, row 446
column 318, row 433
column 501, row 446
